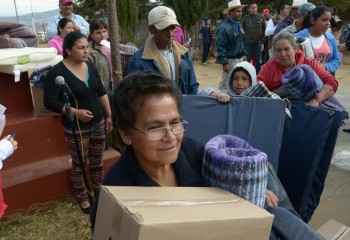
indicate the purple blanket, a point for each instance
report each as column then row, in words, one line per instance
column 301, row 83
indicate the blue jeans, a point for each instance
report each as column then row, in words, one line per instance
column 256, row 48
column 287, row 223
column 206, row 48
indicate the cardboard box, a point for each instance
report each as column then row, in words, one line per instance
column 333, row 230
column 178, row 213
column 38, row 103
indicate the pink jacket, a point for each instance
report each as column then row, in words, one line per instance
column 56, row 42
column 179, row 35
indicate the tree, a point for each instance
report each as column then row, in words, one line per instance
column 127, row 17
column 188, row 12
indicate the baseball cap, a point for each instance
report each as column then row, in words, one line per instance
column 266, row 11
column 65, row 1
column 306, row 7
column 162, row 17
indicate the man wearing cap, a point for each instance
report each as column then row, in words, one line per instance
column 66, row 11
column 162, row 54
column 254, row 25
column 230, row 40
column 293, row 14
column 297, row 25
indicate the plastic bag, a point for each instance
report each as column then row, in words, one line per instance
column 342, row 160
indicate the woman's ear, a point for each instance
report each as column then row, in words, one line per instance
column 124, row 134
column 312, row 20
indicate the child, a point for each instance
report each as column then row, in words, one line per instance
column 242, row 81
column 241, row 77
column 101, row 55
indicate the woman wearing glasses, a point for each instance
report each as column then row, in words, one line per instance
column 146, row 108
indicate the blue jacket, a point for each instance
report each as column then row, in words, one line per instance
column 229, row 41
column 206, row 34
column 149, row 58
column 334, row 60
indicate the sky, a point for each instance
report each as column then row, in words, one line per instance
column 7, row 7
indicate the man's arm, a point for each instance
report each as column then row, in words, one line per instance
column 52, row 27
column 81, row 24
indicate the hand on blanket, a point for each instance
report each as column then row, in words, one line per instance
column 222, row 97
column 313, row 102
column 271, row 199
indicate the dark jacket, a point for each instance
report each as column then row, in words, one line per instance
column 285, row 22
column 148, row 58
column 254, row 28
column 229, row 41
column 206, row 34
column 127, row 171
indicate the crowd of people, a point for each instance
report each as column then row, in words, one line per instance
column 255, row 51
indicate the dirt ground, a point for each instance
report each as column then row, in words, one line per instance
column 335, row 199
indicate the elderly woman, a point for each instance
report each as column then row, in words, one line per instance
column 286, row 56
column 146, row 110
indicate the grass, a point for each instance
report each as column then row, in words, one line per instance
column 53, row 220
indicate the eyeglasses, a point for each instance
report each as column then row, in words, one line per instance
column 159, row 133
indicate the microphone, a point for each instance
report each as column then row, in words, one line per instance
column 60, row 82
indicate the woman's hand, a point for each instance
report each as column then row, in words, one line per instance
column 84, row 115
column 271, row 199
column 313, row 102
column 109, row 125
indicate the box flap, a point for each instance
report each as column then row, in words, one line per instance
column 333, row 230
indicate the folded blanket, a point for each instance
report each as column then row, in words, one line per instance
column 231, row 163
column 14, row 35
column 260, row 90
column 301, row 83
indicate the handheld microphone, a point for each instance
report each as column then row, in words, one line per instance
column 60, row 82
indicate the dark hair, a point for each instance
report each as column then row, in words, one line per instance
column 281, row 7
column 131, row 93
column 62, row 23
column 96, row 24
column 315, row 14
column 70, row 40
column 251, row 3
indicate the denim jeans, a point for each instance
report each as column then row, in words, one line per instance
column 287, row 223
column 206, row 48
column 256, row 48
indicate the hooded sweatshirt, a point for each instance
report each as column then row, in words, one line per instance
column 230, row 91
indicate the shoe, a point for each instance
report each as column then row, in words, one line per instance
column 85, row 209
column 346, row 130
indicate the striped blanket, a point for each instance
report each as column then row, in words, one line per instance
column 232, row 164
column 260, row 90
column 13, row 35
column 302, row 83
